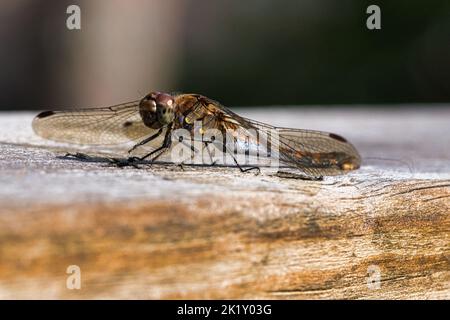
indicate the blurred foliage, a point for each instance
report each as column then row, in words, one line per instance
column 254, row 52
column 318, row 52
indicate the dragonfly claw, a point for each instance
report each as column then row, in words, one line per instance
column 250, row 169
column 78, row 155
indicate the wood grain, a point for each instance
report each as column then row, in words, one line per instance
column 195, row 233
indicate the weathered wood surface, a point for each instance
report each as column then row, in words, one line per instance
column 162, row 232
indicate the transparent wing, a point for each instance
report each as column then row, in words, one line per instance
column 97, row 126
column 316, row 153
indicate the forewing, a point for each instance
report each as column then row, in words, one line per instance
column 316, row 153
column 97, row 126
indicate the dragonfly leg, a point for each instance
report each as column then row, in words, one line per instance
column 166, row 144
column 235, row 161
column 146, row 140
column 246, row 169
column 78, row 156
column 181, row 165
column 213, row 162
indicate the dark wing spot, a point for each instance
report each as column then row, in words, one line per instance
column 337, row 137
column 127, row 123
column 45, row 114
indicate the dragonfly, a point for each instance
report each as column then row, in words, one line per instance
column 152, row 122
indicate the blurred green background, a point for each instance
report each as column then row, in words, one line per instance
column 254, row 52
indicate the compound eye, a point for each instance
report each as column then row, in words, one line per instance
column 152, row 105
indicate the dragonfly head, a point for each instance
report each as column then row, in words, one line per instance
column 160, row 105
